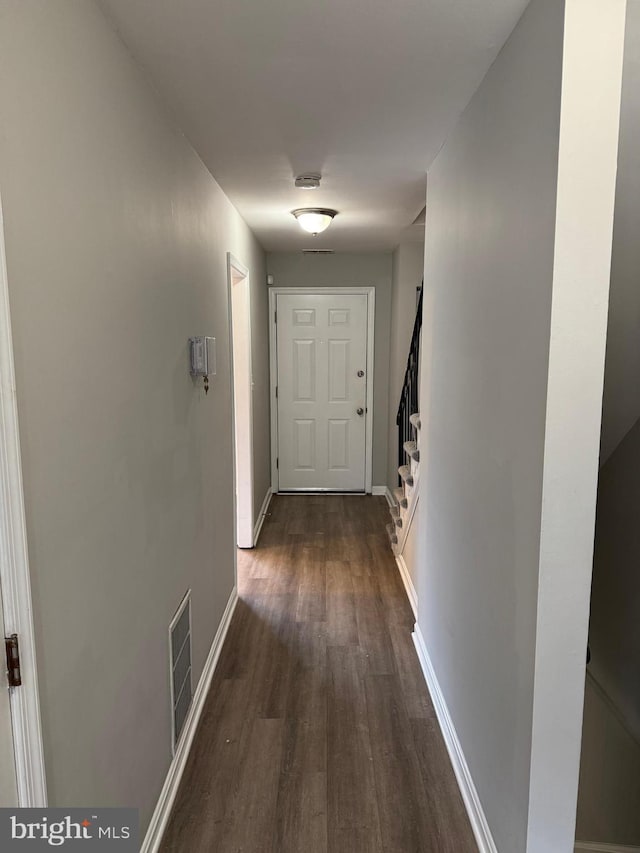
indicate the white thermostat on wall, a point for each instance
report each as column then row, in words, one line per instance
column 202, row 358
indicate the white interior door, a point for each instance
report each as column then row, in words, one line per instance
column 8, row 785
column 322, row 391
column 22, row 775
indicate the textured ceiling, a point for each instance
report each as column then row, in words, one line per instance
column 362, row 91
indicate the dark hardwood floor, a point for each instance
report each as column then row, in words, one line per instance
column 318, row 734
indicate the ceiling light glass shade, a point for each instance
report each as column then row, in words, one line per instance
column 314, row 220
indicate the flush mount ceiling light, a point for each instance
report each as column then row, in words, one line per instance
column 314, row 220
column 308, row 181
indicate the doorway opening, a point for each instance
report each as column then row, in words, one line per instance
column 242, row 386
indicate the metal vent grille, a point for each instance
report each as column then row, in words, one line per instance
column 318, row 252
column 180, row 667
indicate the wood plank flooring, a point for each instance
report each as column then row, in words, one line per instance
column 318, row 735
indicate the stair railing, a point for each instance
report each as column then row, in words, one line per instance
column 409, row 394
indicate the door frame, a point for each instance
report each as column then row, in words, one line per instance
column 244, row 531
column 14, row 570
column 370, row 293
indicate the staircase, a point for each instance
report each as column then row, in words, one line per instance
column 403, row 501
column 403, row 498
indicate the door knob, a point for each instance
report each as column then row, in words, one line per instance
column 361, row 373
column 360, row 411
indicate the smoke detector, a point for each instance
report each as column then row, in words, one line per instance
column 309, row 181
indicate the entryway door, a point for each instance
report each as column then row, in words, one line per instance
column 323, row 354
column 8, row 784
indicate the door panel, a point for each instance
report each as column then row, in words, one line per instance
column 338, row 444
column 304, row 367
column 339, row 363
column 321, row 344
column 305, row 457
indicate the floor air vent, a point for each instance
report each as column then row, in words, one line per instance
column 180, row 666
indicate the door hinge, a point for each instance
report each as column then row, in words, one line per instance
column 275, row 316
column 276, row 392
column 14, row 674
column 277, row 462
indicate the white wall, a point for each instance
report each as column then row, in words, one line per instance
column 369, row 269
column 621, row 404
column 116, row 246
column 488, row 273
column 408, row 268
column 589, row 133
column 511, row 389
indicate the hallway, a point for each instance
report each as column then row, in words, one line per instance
column 318, row 733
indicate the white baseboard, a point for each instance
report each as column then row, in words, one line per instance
column 479, row 823
column 261, row 516
column 408, row 584
column 383, row 491
column 599, row 847
column 167, row 796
